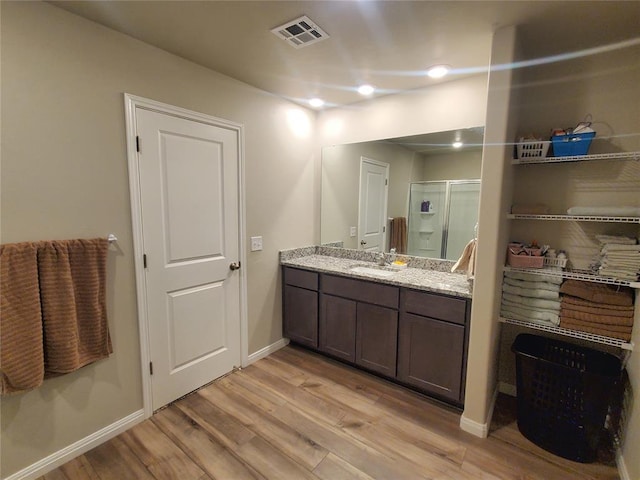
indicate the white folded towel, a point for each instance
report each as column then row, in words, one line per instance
column 532, row 285
column 532, row 293
column 616, row 239
column 619, row 274
column 520, row 313
column 553, row 305
column 532, row 277
column 608, row 211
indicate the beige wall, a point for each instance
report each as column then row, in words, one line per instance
column 341, row 182
column 464, row 165
column 447, row 106
column 64, row 175
column 492, row 238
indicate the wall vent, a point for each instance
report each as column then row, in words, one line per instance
column 300, row 32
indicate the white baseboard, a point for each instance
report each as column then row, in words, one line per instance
column 266, row 351
column 622, row 467
column 479, row 429
column 507, row 389
column 474, row 428
column 78, row 448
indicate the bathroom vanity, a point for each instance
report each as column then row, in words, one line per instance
column 410, row 326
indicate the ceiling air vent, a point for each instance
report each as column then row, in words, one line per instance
column 300, row 32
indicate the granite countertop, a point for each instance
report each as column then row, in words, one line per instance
column 444, row 282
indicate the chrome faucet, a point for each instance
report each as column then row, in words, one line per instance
column 384, row 259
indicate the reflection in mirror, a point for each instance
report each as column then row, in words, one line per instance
column 365, row 185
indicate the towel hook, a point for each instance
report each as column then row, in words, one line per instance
column 112, row 238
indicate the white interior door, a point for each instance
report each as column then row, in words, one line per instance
column 189, row 197
column 372, row 209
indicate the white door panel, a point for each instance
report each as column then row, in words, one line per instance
column 194, row 232
column 189, row 197
column 372, row 209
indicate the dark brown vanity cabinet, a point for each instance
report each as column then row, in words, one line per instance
column 359, row 322
column 300, row 306
column 414, row 337
column 432, row 343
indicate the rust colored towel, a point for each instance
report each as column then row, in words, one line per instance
column 72, row 277
column 586, row 306
column 596, row 319
column 21, row 355
column 598, row 293
column 398, row 238
column 623, row 333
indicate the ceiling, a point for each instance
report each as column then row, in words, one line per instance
column 388, row 44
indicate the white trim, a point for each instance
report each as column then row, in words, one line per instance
column 76, row 449
column 131, row 102
column 474, row 428
column 507, row 389
column 479, row 429
column 266, row 351
column 622, row 466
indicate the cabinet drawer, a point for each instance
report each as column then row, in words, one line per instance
column 435, row 306
column 362, row 291
column 301, row 278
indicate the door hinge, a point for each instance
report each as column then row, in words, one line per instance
column 150, row 368
column 384, row 229
column 386, row 182
column 144, row 260
column 137, row 143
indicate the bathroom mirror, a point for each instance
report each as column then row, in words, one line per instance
column 365, row 185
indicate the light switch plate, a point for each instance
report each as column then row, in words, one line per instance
column 352, row 231
column 256, row 244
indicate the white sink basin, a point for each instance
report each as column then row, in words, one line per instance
column 372, row 271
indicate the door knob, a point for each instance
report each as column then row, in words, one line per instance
column 362, row 242
column 234, row 266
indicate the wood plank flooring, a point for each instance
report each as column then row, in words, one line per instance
column 296, row 415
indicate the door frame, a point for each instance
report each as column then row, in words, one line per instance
column 131, row 102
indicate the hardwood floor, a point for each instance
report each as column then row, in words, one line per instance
column 296, row 415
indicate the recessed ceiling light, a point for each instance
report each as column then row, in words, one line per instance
column 316, row 102
column 456, row 144
column 365, row 90
column 438, row 71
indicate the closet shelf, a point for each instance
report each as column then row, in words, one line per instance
column 427, row 213
column 578, row 158
column 615, row 342
column 574, row 218
column 575, row 275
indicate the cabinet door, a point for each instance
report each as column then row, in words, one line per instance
column 431, row 355
column 376, row 338
column 338, row 327
column 301, row 315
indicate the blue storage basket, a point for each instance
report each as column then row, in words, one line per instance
column 572, row 144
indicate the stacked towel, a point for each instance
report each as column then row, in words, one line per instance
column 619, row 258
column 530, row 297
column 596, row 308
